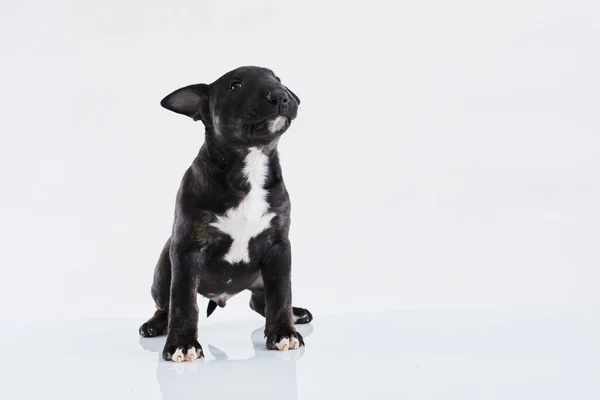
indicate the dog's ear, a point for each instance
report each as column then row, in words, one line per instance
column 191, row 100
column 293, row 94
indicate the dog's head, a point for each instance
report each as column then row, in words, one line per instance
column 248, row 106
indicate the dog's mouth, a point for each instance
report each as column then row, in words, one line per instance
column 276, row 123
column 270, row 125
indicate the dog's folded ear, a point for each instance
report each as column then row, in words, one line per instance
column 191, row 100
column 294, row 95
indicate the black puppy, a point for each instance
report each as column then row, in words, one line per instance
column 232, row 214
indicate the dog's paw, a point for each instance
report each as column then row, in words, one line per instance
column 155, row 326
column 302, row 315
column 151, row 329
column 284, row 339
column 179, row 351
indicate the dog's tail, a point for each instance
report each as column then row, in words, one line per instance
column 212, row 306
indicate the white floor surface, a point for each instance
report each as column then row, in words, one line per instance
column 416, row 355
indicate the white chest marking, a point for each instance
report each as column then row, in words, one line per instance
column 250, row 217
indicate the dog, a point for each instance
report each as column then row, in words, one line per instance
column 232, row 214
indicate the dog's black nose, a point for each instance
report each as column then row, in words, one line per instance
column 278, row 97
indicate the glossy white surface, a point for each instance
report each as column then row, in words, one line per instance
column 462, row 355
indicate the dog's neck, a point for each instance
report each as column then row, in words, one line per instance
column 217, row 162
column 219, row 153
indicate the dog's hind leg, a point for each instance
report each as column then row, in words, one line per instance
column 257, row 300
column 257, row 303
column 161, row 287
column 301, row 315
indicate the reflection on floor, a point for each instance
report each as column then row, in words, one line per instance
column 417, row 355
column 217, row 376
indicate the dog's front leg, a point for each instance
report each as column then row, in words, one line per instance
column 276, row 270
column 182, row 336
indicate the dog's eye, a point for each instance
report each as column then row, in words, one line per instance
column 235, row 85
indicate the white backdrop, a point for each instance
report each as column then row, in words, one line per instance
column 446, row 155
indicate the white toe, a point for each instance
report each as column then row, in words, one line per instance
column 191, row 354
column 283, row 344
column 294, row 343
column 178, row 355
